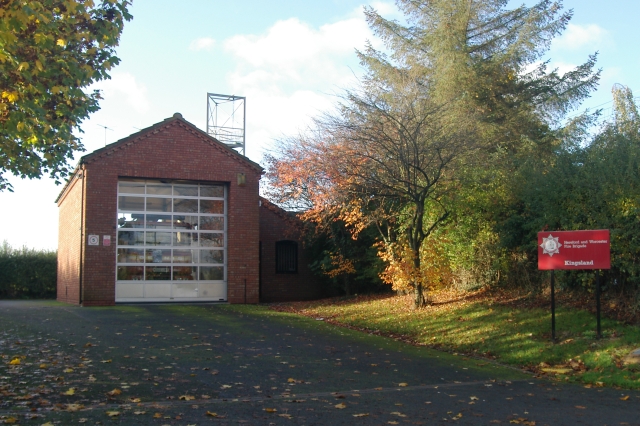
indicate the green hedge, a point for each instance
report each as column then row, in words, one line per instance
column 27, row 273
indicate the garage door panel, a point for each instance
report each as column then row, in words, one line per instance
column 214, row 291
column 179, row 233
column 124, row 290
column 184, row 290
column 157, row 290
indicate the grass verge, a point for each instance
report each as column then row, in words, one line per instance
column 508, row 331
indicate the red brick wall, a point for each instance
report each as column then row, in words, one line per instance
column 69, row 242
column 171, row 150
column 304, row 285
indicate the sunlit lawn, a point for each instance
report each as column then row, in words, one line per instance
column 518, row 336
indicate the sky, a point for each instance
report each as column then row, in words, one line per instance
column 291, row 59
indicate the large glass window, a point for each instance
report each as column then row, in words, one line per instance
column 170, row 231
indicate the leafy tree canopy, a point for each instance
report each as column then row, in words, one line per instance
column 50, row 52
column 459, row 97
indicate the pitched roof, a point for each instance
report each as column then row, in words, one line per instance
column 155, row 128
column 282, row 213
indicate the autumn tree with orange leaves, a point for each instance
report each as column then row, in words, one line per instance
column 458, row 99
column 386, row 160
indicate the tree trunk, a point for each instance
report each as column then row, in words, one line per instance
column 346, row 284
column 419, row 299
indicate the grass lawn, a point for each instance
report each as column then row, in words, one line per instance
column 510, row 331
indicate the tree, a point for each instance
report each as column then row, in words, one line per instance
column 50, row 52
column 460, row 98
column 387, row 159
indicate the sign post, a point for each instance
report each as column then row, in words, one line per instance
column 574, row 250
column 553, row 308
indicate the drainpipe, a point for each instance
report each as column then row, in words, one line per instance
column 82, row 176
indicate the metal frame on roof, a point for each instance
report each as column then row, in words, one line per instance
column 226, row 120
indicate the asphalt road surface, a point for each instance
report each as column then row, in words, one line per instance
column 220, row 364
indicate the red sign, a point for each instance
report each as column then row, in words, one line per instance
column 574, row 250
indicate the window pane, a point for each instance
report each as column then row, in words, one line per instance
column 130, row 256
column 158, row 238
column 159, row 188
column 186, row 190
column 131, row 187
column 128, row 273
column 130, row 220
column 158, row 273
column 209, row 223
column 159, row 204
column 131, row 203
column 212, row 191
column 183, row 273
column 130, row 238
column 286, row 257
column 212, row 206
column 185, row 222
column 211, row 240
column 159, row 221
column 183, row 205
column 209, row 273
column 185, row 256
column 211, row 256
column 185, row 238
column 158, row 256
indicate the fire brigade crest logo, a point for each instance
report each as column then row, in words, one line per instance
column 550, row 245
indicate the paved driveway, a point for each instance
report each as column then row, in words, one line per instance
column 217, row 364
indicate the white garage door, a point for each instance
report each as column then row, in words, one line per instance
column 171, row 244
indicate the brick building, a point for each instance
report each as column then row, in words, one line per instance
column 169, row 214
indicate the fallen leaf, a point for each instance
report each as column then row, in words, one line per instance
column 106, row 361
column 225, row 386
column 187, row 397
column 270, row 410
column 114, row 392
column 72, row 408
column 157, row 416
column 15, row 361
column 288, row 416
column 71, row 391
column 624, row 398
column 68, row 370
column 361, row 415
column 134, row 400
column 43, row 366
column 557, row 370
column 473, row 398
column 402, row 384
column 137, row 413
column 396, row 413
column 341, row 406
column 113, row 413
column 290, row 380
column 210, row 414
column 10, row 420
